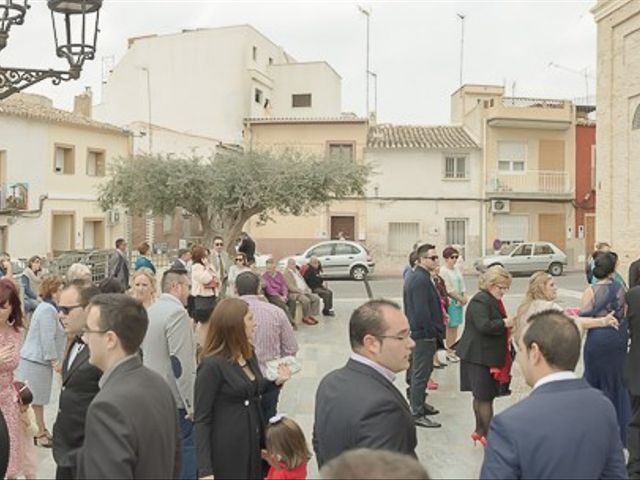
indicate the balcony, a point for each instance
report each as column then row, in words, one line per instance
column 538, row 113
column 14, row 196
column 531, row 184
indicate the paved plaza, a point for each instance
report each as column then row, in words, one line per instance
column 447, row 452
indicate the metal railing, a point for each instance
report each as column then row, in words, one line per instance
column 524, row 102
column 530, row 181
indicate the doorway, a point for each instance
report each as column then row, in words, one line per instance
column 62, row 232
column 343, row 226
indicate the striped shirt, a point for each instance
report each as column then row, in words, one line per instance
column 274, row 337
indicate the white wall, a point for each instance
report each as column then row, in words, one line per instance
column 420, row 173
column 167, row 141
column 316, row 78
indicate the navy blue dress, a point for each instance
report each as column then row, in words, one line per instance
column 605, row 351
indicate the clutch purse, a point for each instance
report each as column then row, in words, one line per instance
column 272, row 366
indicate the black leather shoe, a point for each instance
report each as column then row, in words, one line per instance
column 430, row 409
column 425, row 422
column 330, row 313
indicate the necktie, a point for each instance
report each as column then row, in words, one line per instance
column 220, row 267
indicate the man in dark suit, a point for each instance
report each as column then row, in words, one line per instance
column 182, row 260
column 565, row 428
column 634, row 273
column 79, row 379
column 424, row 311
column 248, row 247
column 358, row 406
column 132, row 428
column 118, row 266
column 632, row 381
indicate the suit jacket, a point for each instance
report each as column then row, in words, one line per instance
column 248, row 247
column 4, row 446
column 45, row 340
column 132, row 427
column 484, row 339
column 292, row 285
column 632, row 362
column 634, row 274
column 356, row 407
column 422, row 305
column 169, row 348
column 564, row 429
column 79, row 387
column 119, row 268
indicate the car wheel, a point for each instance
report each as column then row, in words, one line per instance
column 555, row 269
column 359, row 272
column 495, row 265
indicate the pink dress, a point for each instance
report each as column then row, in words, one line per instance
column 9, row 402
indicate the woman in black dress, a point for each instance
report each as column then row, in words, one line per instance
column 228, row 419
column 484, row 347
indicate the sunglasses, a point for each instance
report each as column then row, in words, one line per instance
column 239, row 259
column 218, row 244
column 66, row 310
column 455, row 257
column 433, row 257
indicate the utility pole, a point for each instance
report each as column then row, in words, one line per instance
column 375, row 90
column 366, row 13
column 461, row 16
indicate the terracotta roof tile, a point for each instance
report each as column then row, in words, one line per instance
column 413, row 136
column 17, row 106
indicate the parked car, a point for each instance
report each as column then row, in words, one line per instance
column 527, row 257
column 339, row 259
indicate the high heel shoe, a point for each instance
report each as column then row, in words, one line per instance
column 476, row 437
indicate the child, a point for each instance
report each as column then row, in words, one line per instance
column 287, row 452
column 29, row 429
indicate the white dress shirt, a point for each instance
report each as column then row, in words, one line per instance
column 556, row 377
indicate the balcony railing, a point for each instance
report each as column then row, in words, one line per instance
column 530, row 181
column 14, row 196
column 523, row 102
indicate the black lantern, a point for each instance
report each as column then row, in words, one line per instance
column 75, row 30
column 12, row 12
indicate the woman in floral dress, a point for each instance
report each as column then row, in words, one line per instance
column 10, row 342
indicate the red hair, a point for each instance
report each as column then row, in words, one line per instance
column 9, row 295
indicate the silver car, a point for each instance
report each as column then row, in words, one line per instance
column 527, row 257
column 339, row 259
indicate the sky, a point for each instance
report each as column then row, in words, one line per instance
column 414, row 46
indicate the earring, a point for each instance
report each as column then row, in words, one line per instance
column 11, row 322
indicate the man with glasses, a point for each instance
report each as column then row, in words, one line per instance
column 221, row 262
column 79, row 379
column 132, row 423
column 358, row 406
column 169, row 350
column 423, row 308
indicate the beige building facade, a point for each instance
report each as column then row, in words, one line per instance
column 618, row 133
column 528, row 164
column 343, row 136
column 51, row 164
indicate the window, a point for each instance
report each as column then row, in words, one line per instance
column 455, row 166
column 346, row 249
column 512, row 156
column 341, row 151
column 95, row 163
column 64, row 161
column 456, row 233
column 301, row 100
column 543, row 249
column 523, row 250
column 257, row 96
column 254, row 54
column 321, row 251
column 167, row 224
column 402, row 236
column 635, row 124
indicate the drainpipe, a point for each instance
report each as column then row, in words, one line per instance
column 483, row 210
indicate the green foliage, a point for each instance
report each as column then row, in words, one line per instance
column 229, row 189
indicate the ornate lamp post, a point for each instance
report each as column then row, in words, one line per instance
column 75, row 29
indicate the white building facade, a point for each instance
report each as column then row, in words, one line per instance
column 426, row 187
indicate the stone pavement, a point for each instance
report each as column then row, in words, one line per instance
column 447, row 452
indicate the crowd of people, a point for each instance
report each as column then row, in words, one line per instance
column 178, row 374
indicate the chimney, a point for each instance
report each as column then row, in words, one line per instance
column 82, row 103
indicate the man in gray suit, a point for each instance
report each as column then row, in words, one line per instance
column 169, row 350
column 221, row 262
column 118, row 266
column 358, row 406
column 131, row 429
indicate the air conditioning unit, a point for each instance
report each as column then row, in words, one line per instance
column 113, row 217
column 500, row 206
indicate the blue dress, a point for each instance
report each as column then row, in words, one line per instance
column 605, row 351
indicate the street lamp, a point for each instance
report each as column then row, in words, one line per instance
column 75, row 30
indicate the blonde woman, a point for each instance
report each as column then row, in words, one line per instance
column 144, row 286
column 484, row 347
column 541, row 295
